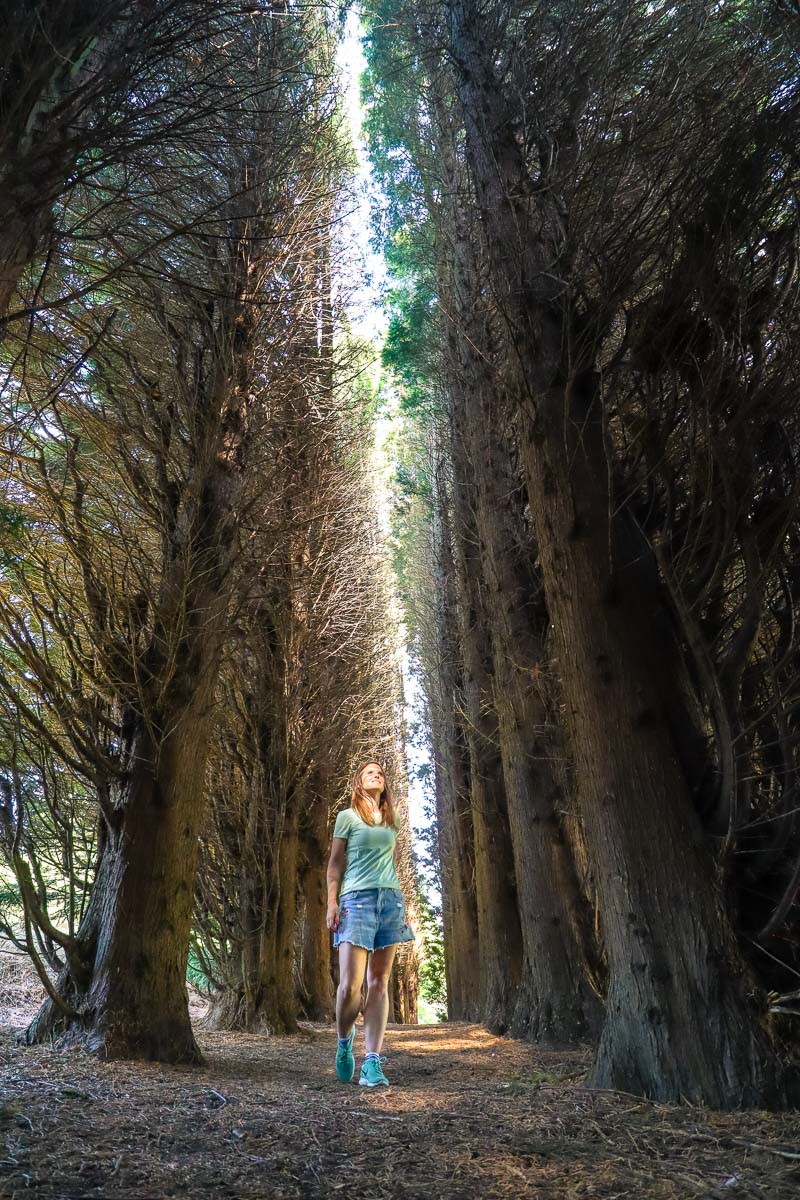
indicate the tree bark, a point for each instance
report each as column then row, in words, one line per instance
column 456, row 841
column 456, row 846
column 407, row 959
column 124, row 987
column 273, row 1001
column 460, row 953
column 403, row 992
column 499, row 934
column 316, row 976
column 260, row 993
column 126, row 980
column 681, row 1022
column 556, row 1002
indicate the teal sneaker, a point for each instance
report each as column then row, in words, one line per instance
column 372, row 1073
column 345, row 1059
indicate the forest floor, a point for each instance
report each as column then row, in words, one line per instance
column 467, row 1116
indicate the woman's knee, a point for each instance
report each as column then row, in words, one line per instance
column 377, row 984
column 349, row 988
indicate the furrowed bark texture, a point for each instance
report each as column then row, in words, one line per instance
column 127, row 980
column 499, row 934
column 126, row 984
column 277, row 1000
column 316, row 977
column 555, row 1001
column 403, row 995
column 404, row 986
column 263, row 852
column 452, row 790
column 679, row 1021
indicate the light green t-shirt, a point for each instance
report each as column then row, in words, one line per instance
column 370, row 853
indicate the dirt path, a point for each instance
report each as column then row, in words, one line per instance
column 468, row 1115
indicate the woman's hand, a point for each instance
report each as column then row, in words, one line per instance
column 332, row 919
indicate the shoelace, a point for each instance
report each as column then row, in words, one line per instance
column 379, row 1058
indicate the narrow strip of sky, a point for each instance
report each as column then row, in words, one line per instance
column 369, row 320
column 366, row 311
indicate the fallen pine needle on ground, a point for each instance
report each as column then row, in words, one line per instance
column 467, row 1115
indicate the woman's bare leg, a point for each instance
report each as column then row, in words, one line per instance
column 376, row 1009
column 352, row 964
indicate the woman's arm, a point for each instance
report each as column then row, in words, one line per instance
column 336, row 868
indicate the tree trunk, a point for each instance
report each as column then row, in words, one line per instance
column 316, row 979
column 451, row 783
column 276, row 1000
column 403, row 989
column 127, row 977
column 407, row 959
column 556, row 1002
column 457, row 867
column 681, row 1022
column 264, row 998
column 499, row 935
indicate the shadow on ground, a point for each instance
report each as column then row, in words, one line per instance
column 467, row 1115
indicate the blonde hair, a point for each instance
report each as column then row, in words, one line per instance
column 362, row 803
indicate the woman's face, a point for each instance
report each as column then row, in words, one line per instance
column 373, row 778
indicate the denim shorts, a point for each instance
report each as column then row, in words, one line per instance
column 372, row 918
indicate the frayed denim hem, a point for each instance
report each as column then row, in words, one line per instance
column 399, row 942
column 376, row 914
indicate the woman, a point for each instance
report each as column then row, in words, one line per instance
column 367, row 914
